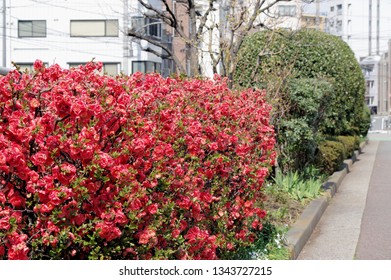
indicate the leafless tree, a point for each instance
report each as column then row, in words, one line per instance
column 215, row 29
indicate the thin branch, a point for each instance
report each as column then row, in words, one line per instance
column 167, row 17
column 204, row 18
column 169, row 53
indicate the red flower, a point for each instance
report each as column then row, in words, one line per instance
column 120, row 218
column 4, row 223
column 17, row 201
column 152, row 209
column 66, row 173
column 17, row 249
column 38, row 65
column 63, row 106
column 2, row 197
column 135, row 156
column 184, row 202
column 175, row 233
column 135, row 204
column 108, row 231
column 161, row 151
column 146, row 235
column 18, row 252
column 105, row 160
column 2, row 251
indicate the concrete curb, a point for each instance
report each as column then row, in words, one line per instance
column 302, row 229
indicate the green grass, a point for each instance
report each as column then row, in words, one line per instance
column 300, row 187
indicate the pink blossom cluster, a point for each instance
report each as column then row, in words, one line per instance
column 131, row 167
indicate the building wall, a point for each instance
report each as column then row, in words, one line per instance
column 385, row 82
column 178, row 43
column 141, row 60
column 310, row 21
column 372, row 72
column 285, row 15
column 350, row 20
column 59, row 43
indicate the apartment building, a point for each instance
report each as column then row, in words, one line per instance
column 371, row 70
column 73, row 32
column 363, row 24
column 385, row 82
column 285, row 15
column 313, row 21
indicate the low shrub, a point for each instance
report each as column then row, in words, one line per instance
column 139, row 167
column 350, row 143
column 365, row 121
column 330, row 156
column 298, row 125
column 357, row 142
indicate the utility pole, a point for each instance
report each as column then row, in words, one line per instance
column 317, row 15
column 4, row 64
column 126, row 40
column 378, row 28
column 370, row 29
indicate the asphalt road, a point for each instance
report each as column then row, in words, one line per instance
column 375, row 236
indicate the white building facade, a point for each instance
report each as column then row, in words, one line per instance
column 73, row 32
column 363, row 24
column 371, row 70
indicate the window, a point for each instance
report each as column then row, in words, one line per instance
column 339, row 9
column 332, row 9
column 110, row 69
column 31, row 28
column 339, row 25
column 155, row 28
column 370, row 83
column 287, row 10
column 146, row 67
column 148, row 26
column 94, row 28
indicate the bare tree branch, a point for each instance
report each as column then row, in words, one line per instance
column 229, row 33
column 169, row 53
column 204, row 18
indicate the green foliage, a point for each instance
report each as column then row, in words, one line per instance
column 298, row 188
column 298, row 131
column 330, row 156
column 349, row 142
column 269, row 58
column 365, row 122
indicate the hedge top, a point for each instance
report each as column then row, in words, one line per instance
column 277, row 56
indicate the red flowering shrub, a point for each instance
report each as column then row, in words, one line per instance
column 132, row 167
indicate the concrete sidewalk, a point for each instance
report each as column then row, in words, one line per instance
column 357, row 221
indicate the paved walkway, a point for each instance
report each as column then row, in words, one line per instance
column 357, row 222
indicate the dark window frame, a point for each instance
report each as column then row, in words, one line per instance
column 157, row 66
column 147, row 26
column 37, row 34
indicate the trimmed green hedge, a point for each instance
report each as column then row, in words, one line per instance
column 332, row 152
column 330, row 156
column 349, row 143
column 298, row 132
column 269, row 58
